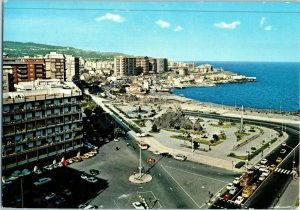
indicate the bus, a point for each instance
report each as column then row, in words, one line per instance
column 143, row 145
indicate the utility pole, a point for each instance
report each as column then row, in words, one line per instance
column 242, row 117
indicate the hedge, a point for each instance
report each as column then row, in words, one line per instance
column 239, row 164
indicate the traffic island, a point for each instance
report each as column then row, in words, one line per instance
column 140, row 178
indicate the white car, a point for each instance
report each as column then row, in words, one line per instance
column 116, row 139
column 261, row 178
column 264, row 161
column 229, row 186
column 156, row 152
column 283, row 144
column 143, row 134
column 180, row 157
column 233, row 190
column 257, row 166
column 89, row 154
column 239, row 200
column 263, row 168
column 70, row 161
column 42, row 181
column 266, row 173
column 26, row 172
column 236, row 180
column 50, row 196
column 91, row 179
column 138, row 205
column 282, row 151
column 90, row 207
column 84, row 176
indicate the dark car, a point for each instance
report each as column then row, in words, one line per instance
column 166, row 154
column 227, row 196
column 94, row 172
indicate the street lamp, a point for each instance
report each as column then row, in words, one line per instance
column 293, row 153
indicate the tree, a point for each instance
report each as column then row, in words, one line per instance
column 154, row 128
column 221, row 122
column 216, row 137
column 117, row 131
column 196, row 145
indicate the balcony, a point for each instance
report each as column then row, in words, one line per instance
column 41, row 147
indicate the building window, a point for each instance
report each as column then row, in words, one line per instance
column 30, row 144
column 39, row 133
column 19, row 148
column 49, row 140
column 28, row 105
column 57, row 138
column 66, row 127
column 49, row 130
column 67, row 136
column 18, row 138
column 48, row 112
column 38, row 114
column 29, row 115
column 56, row 111
column 5, row 108
column 18, row 117
column 6, row 119
column 29, row 135
column 38, row 143
column 56, row 101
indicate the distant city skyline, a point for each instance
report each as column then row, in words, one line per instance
column 183, row 31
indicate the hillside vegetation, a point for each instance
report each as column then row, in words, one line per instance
column 20, row 49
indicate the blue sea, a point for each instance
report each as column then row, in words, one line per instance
column 276, row 86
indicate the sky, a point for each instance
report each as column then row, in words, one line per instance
column 183, row 31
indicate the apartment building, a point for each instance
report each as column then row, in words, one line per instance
column 19, row 69
column 55, row 66
column 35, row 68
column 40, row 120
column 72, row 67
column 162, row 65
column 130, row 66
column 7, row 79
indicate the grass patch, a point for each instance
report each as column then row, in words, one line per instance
column 184, row 131
column 227, row 125
column 222, row 136
column 201, row 141
column 239, row 135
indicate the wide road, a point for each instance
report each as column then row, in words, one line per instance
column 175, row 184
column 272, row 188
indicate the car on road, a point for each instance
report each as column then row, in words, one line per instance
column 257, row 166
column 90, row 207
column 180, row 157
column 84, row 156
column 70, row 161
column 264, row 161
column 90, row 154
column 239, row 200
column 236, row 180
column 166, row 154
column 272, row 167
column 38, row 171
column 278, row 160
column 49, row 196
column 151, row 160
column 229, row 186
column 116, row 139
column 42, row 181
column 91, row 179
column 262, row 178
column 67, row 192
column 138, row 205
column 84, row 176
column 254, row 186
column 263, row 168
column 25, row 172
column 81, row 206
column 233, row 190
column 282, row 151
column 94, row 172
column 227, row 196
column 49, row 167
column 283, row 144
column 266, row 173
column 156, row 152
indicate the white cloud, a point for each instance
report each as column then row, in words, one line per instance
column 178, row 28
column 111, row 17
column 262, row 21
column 224, row 25
column 268, row 28
column 163, row 24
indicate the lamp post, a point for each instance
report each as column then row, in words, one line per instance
column 140, row 166
column 293, row 154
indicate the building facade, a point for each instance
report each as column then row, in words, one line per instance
column 7, row 79
column 72, row 67
column 55, row 66
column 19, row 69
column 35, row 68
column 40, row 120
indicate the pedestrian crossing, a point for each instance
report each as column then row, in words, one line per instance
column 284, row 171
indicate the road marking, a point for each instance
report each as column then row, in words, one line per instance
column 181, row 187
column 196, row 174
column 279, row 171
column 276, row 169
column 289, row 172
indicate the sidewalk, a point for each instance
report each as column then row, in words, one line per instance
column 290, row 196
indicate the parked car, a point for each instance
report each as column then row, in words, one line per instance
column 59, row 200
column 49, row 167
column 116, row 139
column 138, row 205
column 257, row 166
column 227, row 196
column 272, row 167
column 67, row 192
column 166, row 154
column 233, row 190
column 81, row 206
column 180, row 157
column 91, row 179
column 84, row 156
column 70, row 161
column 90, row 154
column 156, row 152
column 236, row 180
column 266, row 173
column 84, row 176
column 38, row 171
column 94, row 172
column 150, row 160
column 229, row 186
column 283, row 144
column 42, row 181
column 49, row 196
column 262, row 178
column 90, row 207
column 239, row 200
column 263, row 168
column 264, row 161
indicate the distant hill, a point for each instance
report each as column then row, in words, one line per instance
column 20, row 49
